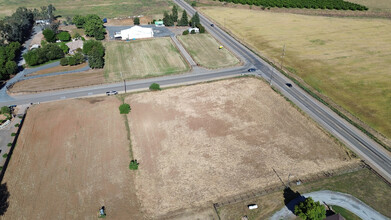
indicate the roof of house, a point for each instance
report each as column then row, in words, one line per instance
column 335, row 217
column 73, row 45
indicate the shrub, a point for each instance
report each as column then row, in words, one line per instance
column 133, row 165
column 64, row 36
column 64, row 47
column 5, row 155
column 154, row 87
column 192, row 32
column 1, row 167
column 5, row 110
column 50, row 36
column 308, row 209
column 124, row 108
column 9, row 144
column 193, row 4
column 17, row 125
column 77, row 36
column 186, row 32
column 136, row 21
column 13, row 134
column 64, row 61
column 71, row 61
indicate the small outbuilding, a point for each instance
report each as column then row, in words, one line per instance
column 196, row 30
column 135, row 32
column 159, row 24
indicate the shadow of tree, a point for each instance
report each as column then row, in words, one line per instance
column 292, row 198
column 4, row 195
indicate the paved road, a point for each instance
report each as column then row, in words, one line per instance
column 362, row 145
column 343, row 200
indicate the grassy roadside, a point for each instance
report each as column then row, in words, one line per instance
column 362, row 184
column 345, row 213
column 374, row 114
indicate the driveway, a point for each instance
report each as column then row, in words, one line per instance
column 343, row 200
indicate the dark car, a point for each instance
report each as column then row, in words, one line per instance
column 288, row 84
column 252, row 70
column 212, row 25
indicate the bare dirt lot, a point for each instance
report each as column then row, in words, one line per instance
column 72, row 158
column 69, row 80
column 199, row 144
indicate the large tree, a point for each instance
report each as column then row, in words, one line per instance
column 167, row 19
column 174, row 15
column 184, row 21
column 94, row 27
column 49, row 35
column 17, row 27
column 195, row 20
column 79, row 21
column 308, row 209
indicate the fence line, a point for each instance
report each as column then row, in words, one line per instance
column 278, row 186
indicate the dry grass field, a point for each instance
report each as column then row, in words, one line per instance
column 57, row 69
column 345, row 59
column 112, row 8
column 72, row 158
column 70, row 80
column 142, row 58
column 205, row 51
column 201, row 143
column 375, row 5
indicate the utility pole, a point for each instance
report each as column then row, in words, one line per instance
column 124, row 81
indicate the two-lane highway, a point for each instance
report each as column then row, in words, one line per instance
column 366, row 148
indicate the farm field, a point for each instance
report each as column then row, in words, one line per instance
column 205, row 51
column 142, row 58
column 70, row 80
column 71, row 158
column 110, row 9
column 201, row 143
column 345, row 59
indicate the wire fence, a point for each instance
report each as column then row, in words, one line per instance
column 307, row 179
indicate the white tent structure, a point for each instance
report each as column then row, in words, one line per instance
column 135, row 32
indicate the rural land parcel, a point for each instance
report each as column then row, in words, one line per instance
column 346, row 59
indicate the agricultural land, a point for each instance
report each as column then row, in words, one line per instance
column 71, row 158
column 201, row 143
column 345, row 59
column 110, row 9
column 142, row 58
column 205, row 51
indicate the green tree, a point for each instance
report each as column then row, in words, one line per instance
column 64, row 61
column 124, row 108
column 195, row 20
column 79, row 21
column 95, row 59
column 89, row 44
column 49, row 35
column 53, row 51
column 64, row 47
column 154, row 87
column 136, row 21
column 64, row 36
column 174, row 14
column 94, row 27
column 18, row 26
column 167, row 20
column 308, row 209
column 184, row 21
column 5, row 110
column 185, row 32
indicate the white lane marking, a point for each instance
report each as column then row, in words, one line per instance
column 90, row 93
column 63, row 97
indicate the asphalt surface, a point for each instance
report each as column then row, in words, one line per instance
column 327, row 197
column 366, row 148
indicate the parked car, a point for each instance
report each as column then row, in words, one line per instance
column 111, row 93
column 252, row 70
column 212, row 25
column 288, row 84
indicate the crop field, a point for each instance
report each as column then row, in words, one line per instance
column 70, row 80
column 205, row 51
column 201, row 143
column 71, row 158
column 142, row 58
column 110, row 9
column 345, row 59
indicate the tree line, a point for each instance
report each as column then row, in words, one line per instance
column 314, row 4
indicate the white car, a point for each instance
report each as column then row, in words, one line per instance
column 112, row 92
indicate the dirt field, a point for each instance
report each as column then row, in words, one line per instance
column 70, row 80
column 205, row 51
column 142, row 58
column 345, row 59
column 199, row 144
column 71, row 158
column 57, row 69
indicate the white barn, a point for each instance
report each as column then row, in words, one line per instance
column 135, row 32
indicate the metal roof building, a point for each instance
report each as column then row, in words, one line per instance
column 135, row 32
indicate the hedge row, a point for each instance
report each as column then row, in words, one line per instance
column 315, row 4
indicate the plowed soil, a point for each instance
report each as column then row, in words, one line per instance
column 199, row 144
column 72, row 158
